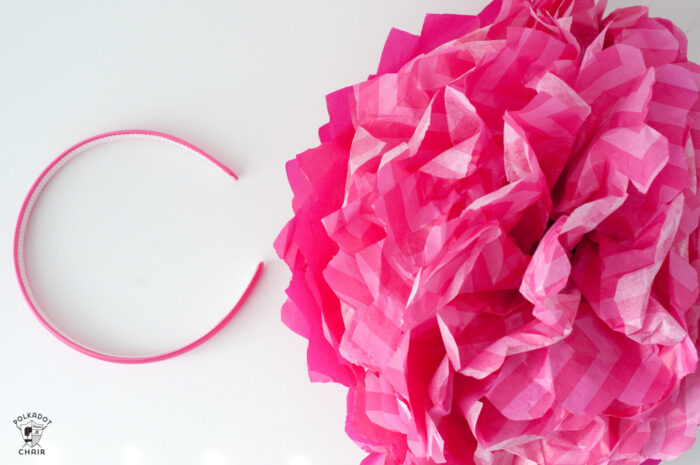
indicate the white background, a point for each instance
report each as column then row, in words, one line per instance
column 140, row 250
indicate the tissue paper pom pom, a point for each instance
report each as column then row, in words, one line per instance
column 495, row 247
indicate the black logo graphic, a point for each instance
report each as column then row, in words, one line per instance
column 31, row 426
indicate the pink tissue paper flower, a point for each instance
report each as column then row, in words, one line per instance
column 495, row 246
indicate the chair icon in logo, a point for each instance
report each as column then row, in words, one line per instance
column 31, row 432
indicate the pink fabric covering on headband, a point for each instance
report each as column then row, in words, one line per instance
column 23, row 222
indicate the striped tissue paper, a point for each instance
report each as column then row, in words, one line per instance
column 495, row 246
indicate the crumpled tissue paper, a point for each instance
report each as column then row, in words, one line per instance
column 495, row 246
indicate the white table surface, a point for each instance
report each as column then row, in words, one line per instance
column 122, row 231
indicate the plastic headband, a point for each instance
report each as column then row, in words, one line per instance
column 23, row 222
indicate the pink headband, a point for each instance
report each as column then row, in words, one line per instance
column 23, row 222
